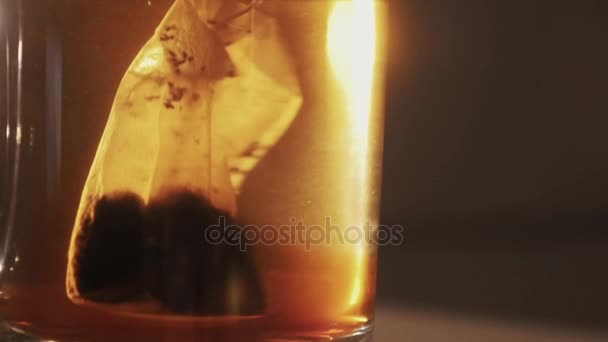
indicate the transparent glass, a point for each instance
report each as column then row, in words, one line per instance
column 190, row 170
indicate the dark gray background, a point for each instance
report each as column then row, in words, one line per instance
column 495, row 159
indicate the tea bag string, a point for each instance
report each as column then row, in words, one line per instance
column 224, row 21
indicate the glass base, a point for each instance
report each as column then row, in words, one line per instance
column 364, row 334
column 10, row 334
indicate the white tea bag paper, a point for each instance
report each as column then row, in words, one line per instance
column 196, row 110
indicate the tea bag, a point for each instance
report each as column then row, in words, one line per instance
column 194, row 113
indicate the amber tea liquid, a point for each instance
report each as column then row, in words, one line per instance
column 143, row 267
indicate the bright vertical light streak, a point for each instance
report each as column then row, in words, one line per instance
column 351, row 48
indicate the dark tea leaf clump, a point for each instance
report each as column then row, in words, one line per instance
column 129, row 251
column 111, row 249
